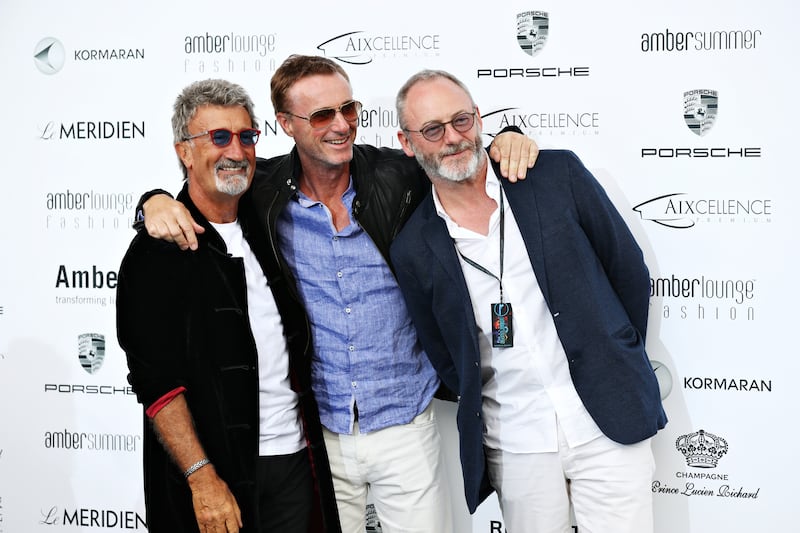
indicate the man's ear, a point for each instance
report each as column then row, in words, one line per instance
column 285, row 123
column 184, row 153
column 401, row 136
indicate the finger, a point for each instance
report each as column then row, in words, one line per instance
column 514, row 160
column 533, row 153
column 177, row 235
column 497, row 155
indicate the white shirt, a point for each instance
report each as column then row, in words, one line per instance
column 528, row 386
column 280, row 429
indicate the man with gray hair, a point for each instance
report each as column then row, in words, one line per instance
column 531, row 301
column 217, row 349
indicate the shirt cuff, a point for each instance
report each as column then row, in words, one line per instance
column 159, row 404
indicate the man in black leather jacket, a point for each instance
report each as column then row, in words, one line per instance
column 330, row 210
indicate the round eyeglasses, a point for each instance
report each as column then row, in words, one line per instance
column 434, row 131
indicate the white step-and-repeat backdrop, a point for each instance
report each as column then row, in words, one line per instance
column 685, row 111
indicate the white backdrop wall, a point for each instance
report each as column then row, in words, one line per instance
column 86, row 101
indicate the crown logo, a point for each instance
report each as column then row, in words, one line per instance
column 702, row 449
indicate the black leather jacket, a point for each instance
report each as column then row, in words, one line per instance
column 389, row 185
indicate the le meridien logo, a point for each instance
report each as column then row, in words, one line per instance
column 94, row 518
column 361, row 48
column 92, row 130
column 682, row 211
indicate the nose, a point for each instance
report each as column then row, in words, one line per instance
column 451, row 136
column 235, row 149
column 340, row 124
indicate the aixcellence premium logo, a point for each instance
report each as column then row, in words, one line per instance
column 532, row 31
column 703, row 452
column 361, row 47
column 50, row 56
column 683, row 210
column 540, row 123
column 700, row 112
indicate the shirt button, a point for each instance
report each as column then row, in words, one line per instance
column 347, row 310
column 339, row 274
column 335, row 238
column 351, row 348
column 476, row 364
column 354, row 384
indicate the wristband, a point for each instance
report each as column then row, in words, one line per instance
column 195, row 467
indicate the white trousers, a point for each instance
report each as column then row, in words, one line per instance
column 402, row 468
column 608, row 484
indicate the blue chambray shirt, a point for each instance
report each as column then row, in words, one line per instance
column 366, row 348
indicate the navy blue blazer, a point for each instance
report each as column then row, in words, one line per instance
column 595, row 283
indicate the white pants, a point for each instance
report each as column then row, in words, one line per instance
column 608, row 484
column 402, row 467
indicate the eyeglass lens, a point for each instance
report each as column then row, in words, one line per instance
column 223, row 137
column 462, row 124
column 323, row 117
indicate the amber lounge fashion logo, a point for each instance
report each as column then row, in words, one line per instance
column 532, row 30
column 49, row 55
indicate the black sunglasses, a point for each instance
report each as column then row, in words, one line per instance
column 222, row 137
column 323, row 117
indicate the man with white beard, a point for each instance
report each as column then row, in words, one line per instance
column 557, row 399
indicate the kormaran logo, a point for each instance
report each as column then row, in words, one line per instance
column 700, row 108
column 49, row 55
column 91, row 351
column 701, row 448
column 533, row 28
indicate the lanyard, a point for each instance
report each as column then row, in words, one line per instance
column 483, row 269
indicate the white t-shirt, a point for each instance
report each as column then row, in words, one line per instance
column 280, row 428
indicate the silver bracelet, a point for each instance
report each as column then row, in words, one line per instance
column 195, row 467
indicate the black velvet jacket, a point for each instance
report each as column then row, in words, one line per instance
column 182, row 321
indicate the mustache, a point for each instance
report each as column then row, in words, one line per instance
column 232, row 164
column 451, row 149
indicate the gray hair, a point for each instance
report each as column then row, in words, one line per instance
column 423, row 75
column 206, row 92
